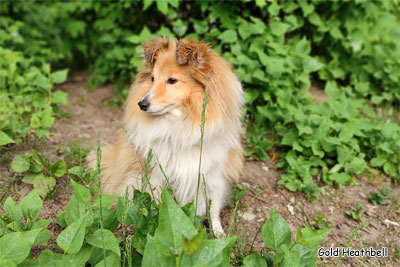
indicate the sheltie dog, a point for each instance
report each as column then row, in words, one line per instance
column 163, row 114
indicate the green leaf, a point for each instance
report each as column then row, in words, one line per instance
column 42, row 238
column 153, row 257
column 173, row 223
column 59, row 97
column 71, row 238
column 75, row 210
column 5, row 139
column 12, row 210
column 313, row 237
column 61, row 219
column 20, row 163
column 276, row 232
column 58, row 169
column 228, row 36
column 44, row 185
column 30, row 177
column 211, row 253
column 111, row 260
column 31, row 205
column 254, row 260
column 59, row 76
column 162, row 5
column 16, row 246
column 81, row 192
column 290, row 258
column 192, row 245
column 179, row 27
column 103, row 238
column 278, row 28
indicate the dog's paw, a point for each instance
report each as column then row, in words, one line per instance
column 219, row 232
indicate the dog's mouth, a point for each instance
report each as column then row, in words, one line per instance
column 161, row 111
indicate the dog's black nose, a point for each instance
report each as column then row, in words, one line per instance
column 144, row 104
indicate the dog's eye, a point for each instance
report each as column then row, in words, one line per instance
column 172, row 80
column 152, row 78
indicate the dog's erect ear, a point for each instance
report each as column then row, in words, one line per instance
column 191, row 52
column 151, row 48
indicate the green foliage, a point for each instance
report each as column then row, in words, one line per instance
column 237, row 195
column 176, row 242
column 380, row 197
column 341, row 47
column 357, row 213
column 38, row 171
column 277, row 237
column 20, row 229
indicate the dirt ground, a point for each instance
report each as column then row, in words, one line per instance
column 89, row 113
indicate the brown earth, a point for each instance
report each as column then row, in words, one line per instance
column 89, row 113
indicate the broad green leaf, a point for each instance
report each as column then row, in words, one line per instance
column 278, row 28
column 153, row 257
column 192, row 245
column 81, row 192
column 106, row 201
column 276, row 232
column 179, row 27
column 16, row 246
column 291, row 257
column 5, row 139
column 173, row 224
column 31, row 205
column 44, row 185
column 59, row 97
column 111, row 260
column 162, row 5
column 42, row 238
column 30, row 177
column 254, row 260
column 103, row 238
column 75, row 210
column 77, row 171
column 20, row 163
column 59, row 76
column 228, row 36
column 127, row 211
column 61, row 220
column 71, row 238
column 7, row 263
column 58, row 169
column 313, row 237
column 211, row 253
column 12, row 210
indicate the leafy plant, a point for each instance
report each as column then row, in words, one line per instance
column 277, row 237
column 38, row 171
column 20, row 229
column 380, row 197
column 356, row 213
column 237, row 194
column 176, row 242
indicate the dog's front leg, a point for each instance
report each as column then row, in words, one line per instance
column 218, row 191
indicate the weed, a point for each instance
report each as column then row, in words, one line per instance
column 356, row 213
column 380, row 197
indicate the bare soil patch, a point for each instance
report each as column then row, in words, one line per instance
column 88, row 113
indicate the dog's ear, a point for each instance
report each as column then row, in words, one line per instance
column 191, row 52
column 151, row 48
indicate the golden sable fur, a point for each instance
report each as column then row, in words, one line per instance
column 163, row 113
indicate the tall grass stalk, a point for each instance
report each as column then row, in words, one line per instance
column 203, row 119
column 98, row 172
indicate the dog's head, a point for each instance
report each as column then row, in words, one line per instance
column 177, row 69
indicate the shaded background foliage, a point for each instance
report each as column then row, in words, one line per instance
column 279, row 49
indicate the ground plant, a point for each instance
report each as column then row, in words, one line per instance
column 322, row 94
